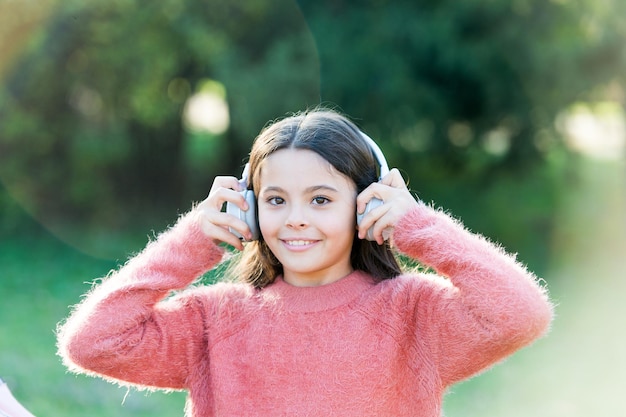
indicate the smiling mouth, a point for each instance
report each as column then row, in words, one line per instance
column 299, row 242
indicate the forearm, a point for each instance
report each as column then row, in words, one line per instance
column 494, row 305
column 473, row 265
column 117, row 320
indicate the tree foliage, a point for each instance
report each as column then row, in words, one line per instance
column 92, row 112
column 457, row 82
column 461, row 95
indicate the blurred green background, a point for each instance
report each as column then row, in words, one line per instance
column 116, row 115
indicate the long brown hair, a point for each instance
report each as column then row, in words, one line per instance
column 337, row 140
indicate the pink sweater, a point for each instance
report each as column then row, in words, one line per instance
column 350, row 348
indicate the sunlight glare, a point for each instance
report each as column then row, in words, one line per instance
column 595, row 129
column 207, row 111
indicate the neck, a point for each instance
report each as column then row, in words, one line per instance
column 316, row 280
column 319, row 298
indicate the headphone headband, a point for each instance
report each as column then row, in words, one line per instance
column 378, row 154
column 244, row 175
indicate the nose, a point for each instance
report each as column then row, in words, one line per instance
column 296, row 217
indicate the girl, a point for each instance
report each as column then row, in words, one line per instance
column 323, row 321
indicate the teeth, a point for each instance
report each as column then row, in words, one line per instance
column 299, row 242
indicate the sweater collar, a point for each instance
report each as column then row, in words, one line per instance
column 319, row 298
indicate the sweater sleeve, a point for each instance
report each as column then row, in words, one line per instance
column 488, row 307
column 126, row 330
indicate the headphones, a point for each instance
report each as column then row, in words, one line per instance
column 249, row 216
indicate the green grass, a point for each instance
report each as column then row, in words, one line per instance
column 578, row 370
column 575, row 372
column 40, row 278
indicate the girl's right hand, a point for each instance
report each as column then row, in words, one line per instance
column 214, row 222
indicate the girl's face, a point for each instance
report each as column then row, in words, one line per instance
column 307, row 215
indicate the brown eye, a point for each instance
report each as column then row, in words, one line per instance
column 320, row 200
column 276, row 201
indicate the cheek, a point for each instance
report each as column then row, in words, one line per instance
column 344, row 221
column 268, row 221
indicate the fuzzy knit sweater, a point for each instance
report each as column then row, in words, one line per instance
column 350, row 348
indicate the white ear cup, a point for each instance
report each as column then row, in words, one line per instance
column 371, row 205
column 248, row 216
column 374, row 202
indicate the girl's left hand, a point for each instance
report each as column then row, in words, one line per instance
column 397, row 201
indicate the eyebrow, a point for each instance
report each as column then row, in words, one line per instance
column 311, row 189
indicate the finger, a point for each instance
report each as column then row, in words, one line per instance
column 371, row 219
column 375, row 190
column 394, row 179
column 365, row 196
column 379, row 190
column 216, row 221
column 361, row 202
column 220, row 195
column 382, row 230
column 217, row 225
column 224, row 235
column 382, row 219
column 228, row 182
